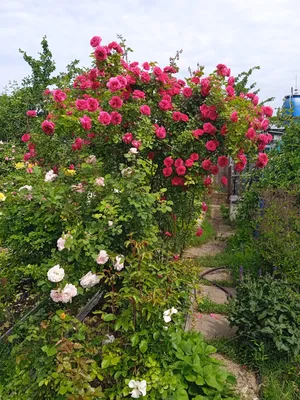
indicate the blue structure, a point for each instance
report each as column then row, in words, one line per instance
column 291, row 104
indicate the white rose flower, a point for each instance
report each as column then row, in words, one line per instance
column 126, row 172
column 133, row 150
column 169, row 313
column 110, row 339
column 68, row 292
column 91, row 160
column 117, row 191
column 102, row 257
column 110, row 223
column 29, row 188
column 56, row 273
column 119, row 264
column 61, row 243
column 89, row 280
column 50, row 176
column 56, row 295
column 139, row 388
column 100, row 181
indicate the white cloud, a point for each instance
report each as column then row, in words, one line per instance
column 238, row 33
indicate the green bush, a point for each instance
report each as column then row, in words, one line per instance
column 266, row 311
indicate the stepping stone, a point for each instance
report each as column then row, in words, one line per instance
column 215, row 294
column 247, row 386
column 212, row 326
column 208, row 249
column 218, row 275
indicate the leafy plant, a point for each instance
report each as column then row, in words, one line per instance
column 266, row 311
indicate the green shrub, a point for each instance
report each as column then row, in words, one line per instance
column 266, row 311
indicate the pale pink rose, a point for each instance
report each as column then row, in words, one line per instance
column 102, row 257
column 89, row 280
column 100, row 181
column 61, row 243
column 68, row 292
column 119, row 264
column 56, row 295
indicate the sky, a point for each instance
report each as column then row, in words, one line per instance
column 238, row 33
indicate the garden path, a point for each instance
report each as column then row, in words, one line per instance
column 213, row 325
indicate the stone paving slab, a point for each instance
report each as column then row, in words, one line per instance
column 212, row 326
column 247, row 386
column 218, row 275
column 208, row 249
column 215, row 294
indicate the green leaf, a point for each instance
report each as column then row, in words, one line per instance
column 135, row 339
column 143, row 346
column 109, row 317
column 105, row 362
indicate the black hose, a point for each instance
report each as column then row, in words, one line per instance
column 215, row 284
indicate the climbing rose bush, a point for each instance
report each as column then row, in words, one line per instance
column 129, row 116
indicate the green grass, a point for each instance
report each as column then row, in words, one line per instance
column 206, row 306
column 208, row 234
column 280, row 378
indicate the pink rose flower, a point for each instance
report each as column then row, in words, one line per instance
column 81, row 104
column 176, row 116
column 209, row 128
column 48, row 127
column 187, row 92
column 194, row 156
column 59, row 96
column 197, row 133
column 167, row 171
column 207, row 181
column 181, row 170
column 114, row 84
column 224, row 130
column 230, row 91
column 204, row 207
column 214, row 169
column 127, row 138
column 115, row 102
column 31, row 113
column 104, row 118
column 116, row 118
column 86, row 122
column 177, row 181
column 145, row 110
column 92, row 104
column 224, row 180
column 25, row 138
column 223, row 161
column 262, row 160
column 251, row 133
column 234, row 117
column 268, row 111
column 231, row 81
column 161, row 132
column 165, row 105
column 100, row 53
column 211, row 145
column 168, row 161
column 178, row 162
column 189, row 163
column 145, row 77
column 199, row 232
column 136, row 143
column 138, row 94
column 95, row 41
